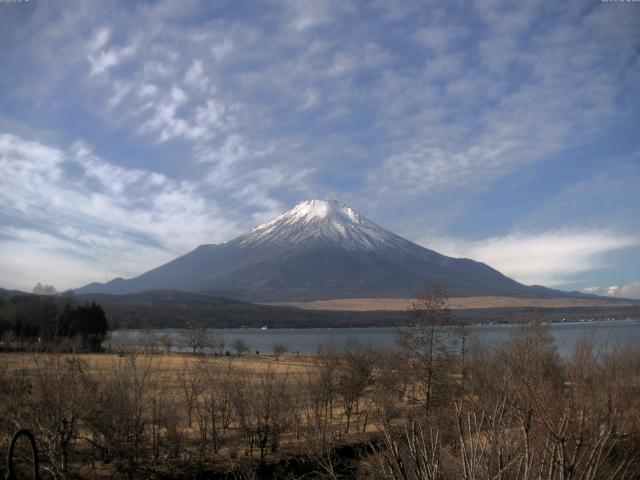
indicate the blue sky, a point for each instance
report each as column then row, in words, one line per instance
column 507, row 132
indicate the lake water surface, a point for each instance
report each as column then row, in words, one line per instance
column 606, row 334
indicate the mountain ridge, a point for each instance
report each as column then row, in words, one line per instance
column 320, row 249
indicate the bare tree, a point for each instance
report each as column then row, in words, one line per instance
column 391, row 382
column 279, row 349
column 409, row 453
column 262, row 411
column 322, row 390
column 190, row 380
column 423, row 340
column 217, row 342
column 173, row 438
column 354, row 377
column 149, row 341
column 194, row 337
column 524, row 413
column 41, row 289
column 215, row 408
column 209, row 413
column 240, row 346
column 63, row 395
column 167, row 343
column 120, row 418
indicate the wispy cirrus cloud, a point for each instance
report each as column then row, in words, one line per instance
column 101, row 58
column 412, row 111
column 528, row 99
column 457, row 105
column 56, row 202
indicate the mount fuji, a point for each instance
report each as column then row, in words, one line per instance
column 319, row 250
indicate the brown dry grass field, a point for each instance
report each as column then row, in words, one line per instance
column 358, row 414
column 455, row 303
column 169, row 371
column 167, row 366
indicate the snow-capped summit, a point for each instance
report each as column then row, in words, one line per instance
column 314, row 209
column 320, row 249
column 327, row 221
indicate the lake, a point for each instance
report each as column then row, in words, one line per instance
column 307, row 341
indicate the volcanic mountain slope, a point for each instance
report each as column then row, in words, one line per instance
column 319, row 250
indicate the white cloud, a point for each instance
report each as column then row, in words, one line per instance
column 120, row 91
column 629, row 290
column 439, row 118
column 153, row 69
column 195, row 76
column 223, row 49
column 434, row 167
column 103, row 60
column 372, row 98
column 165, row 120
column 224, row 157
column 209, row 117
column 543, row 258
column 91, row 219
column 309, row 13
column 531, row 97
column 71, row 257
column 147, row 90
column 185, row 115
column 99, row 39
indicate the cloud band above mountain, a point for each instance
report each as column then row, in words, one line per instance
column 540, row 258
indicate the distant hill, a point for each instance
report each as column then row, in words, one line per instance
column 165, row 309
column 7, row 294
column 321, row 250
column 174, row 309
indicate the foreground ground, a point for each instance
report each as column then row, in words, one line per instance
column 514, row 411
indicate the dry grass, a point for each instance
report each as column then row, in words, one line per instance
column 169, row 366
column 178, row 413
column 167, row 370
column 455, row 303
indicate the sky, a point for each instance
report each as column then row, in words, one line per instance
column 506, row 132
